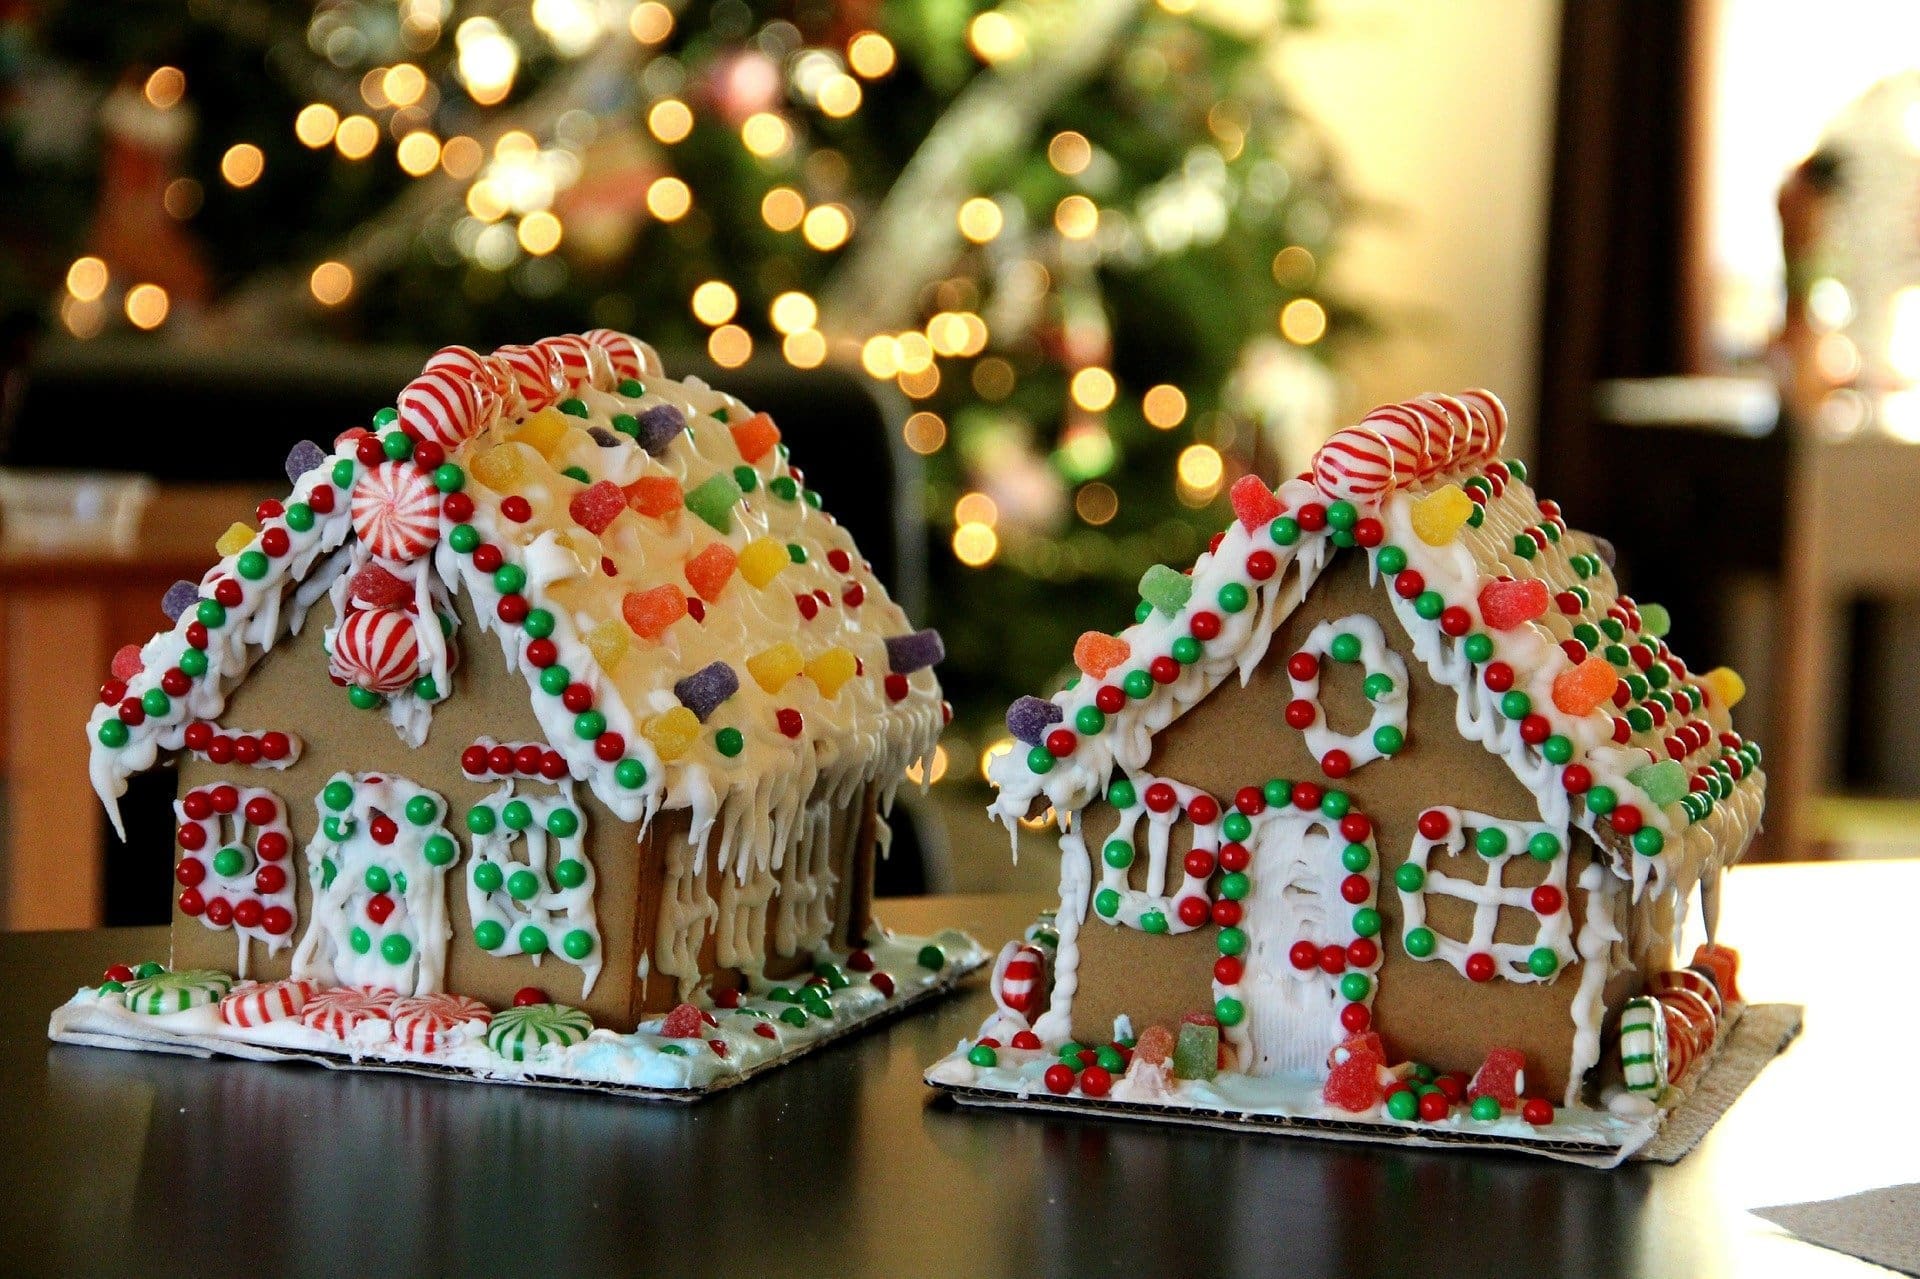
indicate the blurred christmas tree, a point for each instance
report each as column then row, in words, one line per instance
column 1083, row 237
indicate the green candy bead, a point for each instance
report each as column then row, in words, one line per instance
column 1366, row 922
column 439, row 851
column 425, row 689
column 1515, row 704
column 463, row 538
column 343, row 474
column 327, row 869
column 533, row 941
column 562, row 822
column 299, row 517
column 1404, row 1105
column 251, row 565
column 1355, row 987
column 1342, row 515
column 1420, row 942
column 337, row 795
column 1070, row 1053
column 1231, row 941
column 570, row 872
column 1376, row 686
column 229, row 862
column 1040, row 760
column 573, row 407
column 1236, row 826
column 783, row 487
column 1142, row 611
column 1185, row 650
column 1601, row 800
column 489, row 935
column 1234, row 886
column 632, row 389
column 1490, row 842
column 193, row 662
column 1542, row 962
column 155, row 702
column 509, row 579
column 487, row 877
column 1429, row 605
column 1137, row 684
column 338, row 829
column 1388, row 740
column 1107, row 902
column 1409, row 878
column 1089, row 719
column 1285, row 531
column 1121, row 794
column 1230, row 1011
column 554, row 679
column 112, row 734
column 395, row 949
column 358, row 939
column 588, row 725
column 729, row 742
column 364, row 698
column 1344, row 648
column 931, row 958
column 1556, row 749
column 1118, row 854
column 422, row 809
column 794, row 1016
column 983, row 1055
column 1392, row 559
column 1108, row 1058
column 1485, row 1109
column 1543, row 847
column 538, row 623
column 1648, row 841
column 796, row 553
column 1478, row 647
column 210, row 613
column 376, row 879
column 1232, row 597
column 523, row 885
column 1357, row 857
column 516, row 814
column 449, row 478
column 1336, row 804
column 480, row 819
column 630, row 773
column 747, row 478
column 1153, row 922
column 810, row 497
column 1277, row 791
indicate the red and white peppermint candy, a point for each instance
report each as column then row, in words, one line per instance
column 1494, row 416
column 378, row 649
column 338, row 1009
column 255, row 1004
column 421, row 1021
column 629, row 357
column 447, row 404
column 1021, row 982
column 574, row 357
column 396, row 511
column 1401, row 444
column 535, row 378
column 1356, row 465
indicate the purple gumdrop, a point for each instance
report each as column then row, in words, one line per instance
column 704, row 690
column 305, row 456
column 909, row 653
column 1029, row 718
column 180, row 597
column 660, row 426
column 603, row 437
column 1606, row 550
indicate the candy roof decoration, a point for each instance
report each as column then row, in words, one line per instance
column 1557, row 673
column 695, row 632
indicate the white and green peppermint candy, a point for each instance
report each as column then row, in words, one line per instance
column 176, row 992
column 520, row 1033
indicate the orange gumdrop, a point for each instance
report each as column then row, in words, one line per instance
column 1096, row 653
column 710, row 570
column 1579, row 689
column 755, row 436
column 650, row 613
column 655, row 495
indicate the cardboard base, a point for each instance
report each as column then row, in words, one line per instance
column 642, row 1065
column 1593, row 1138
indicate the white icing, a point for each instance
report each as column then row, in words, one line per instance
column 1491, row 897
column 1596, row 941
column 556, row 910
column 235, row 831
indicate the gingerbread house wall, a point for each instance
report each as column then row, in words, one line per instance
column 1238, row 737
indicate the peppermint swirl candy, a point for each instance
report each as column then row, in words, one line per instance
column 396, row 511
column 451, row 401
column 339, row 1009
column 630, row 357
column 532, row 375
column 575, row 358
column 422, row 1021
column 253, row 1004
column 176, row 992
column 378, row 650
column 520, row 1033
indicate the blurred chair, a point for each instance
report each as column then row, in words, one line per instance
column 212, row 427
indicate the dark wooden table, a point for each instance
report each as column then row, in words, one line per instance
column 129, row 1163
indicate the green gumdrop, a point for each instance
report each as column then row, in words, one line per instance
column 1167, row 589
column 1655, row 620
column 1196, row 1054
column 713, row 501
column 1664, row 783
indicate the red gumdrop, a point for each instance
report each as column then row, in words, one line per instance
column 1502, row 1076
column 1155, row 1045
column 594, row 507
column 682, row 1023
column 1506, row 604
column 710, row 570
column 1253, row 502
column 377, row 588
column 126, row 662
column 1353, row 1083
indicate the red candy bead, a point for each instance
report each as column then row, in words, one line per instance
column 275, row 745
column 132, row 713
column 882, row 982
column 1535, row 729
column 1059, row 1079
column 1355, row 827
column 577, row 698
column 788, row 721
column 190, row 871
column 1226, row 913
column 220, row 749
column 1250, row 800
column 1261, row 565
column 473, row 760
column 512, row 609
column 219, row 911
column 1408, row 583
column 118, row 972
column 1163, row 669
column 428, row 455
column 1577, row 779
column 542, row 653
column 1228, row 970
column 112, row 691
column 1333, row 959
column 1160, row 797
column 527, row 759
column 1301, row 713
column 191, row 903
column 1303, row 955
column 271, row 846
column 1625, row 819
column 1204, row 810
column 1313, row 517
column 1362, row 952
column 527, row 996
column 275, row 542
column 228, row 592
column 1456, row 621
column 379, row 907
column 1355, row 1018
column 487, row 557
column 1303, row 666
column 1061, row 742
column 1336, row 763
column 1234, row 857
column 457, row 507
column 197, row 735
column 321, row 500
column 382, row 829
column 839, row 561
column 1193, row 911
column 1198, row 863
column 1204, row 625
column 1480, row 966
column 369, row 452
column 896, row 686
column 1369, row 532
column 1095, row 1081
column 225, row 799
column 1025, row 1040
column 246, row 749
column 1547, row 900
column 1110, row 698
column 1537, row 1111
column 261, row 810
column 197, row 805
column 247, row 914
column 192, row 837
column 1576, row 651
column 174, row 682
column 1435, row 824
column 1355, row 889
column 553, row 766
column 270, row 879
column 609, row 747
column 277, row 920
column 1307, row 795
column 517, row 509
column 196, row 636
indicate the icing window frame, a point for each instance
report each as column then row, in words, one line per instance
column 533, row 833
column 1360, row 638
column 1479, row 957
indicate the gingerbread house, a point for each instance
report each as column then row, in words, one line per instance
column 551, row 704
column 1392, row 773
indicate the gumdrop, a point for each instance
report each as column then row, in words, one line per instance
column 235, row 539
column 672, row 733
column 1579, row 689
column 831, row 669
column 542, row 431
column 1253, row 502
column 755, row 436
column 1438, row 517
column 1353, row 1082
column 1167, row 589
column 595, row 507
column 1506, row 604
column 762, row 559
column 650, row 613
column 303, row 457
column 1097, row 652
column 915, row 651
column 771, row 668
column 704, row 690
column 659, row 427
column 1723, row 962
column 180, row 597
column 713, row 501
column 1502, row 1076
column 1725, row 684
column 1655, row 620
column 1154, row 1046
column 609, row 642
column 1664, row 783
column 709, row 571
column 603, row 437
column 1029, row 718
column 1196, row 1055
column 126, row 662
column 684, row 1022
column 377, row 588
column 501, row 468
column 655, row 495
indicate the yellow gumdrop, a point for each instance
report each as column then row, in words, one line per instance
column 609, row 642
column 1726, row 686
column 543, row 430
column 234, row 540
column 761, row 560
column 771, row 668
column 500, row 468
column 831, row 669
column 673, row 732
column 1437, row 517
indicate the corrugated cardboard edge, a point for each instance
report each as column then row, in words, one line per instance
column 1759, row 1035
column 206, row 1046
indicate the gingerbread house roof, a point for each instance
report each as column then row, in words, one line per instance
column 1556, row 672
column 694, row 631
